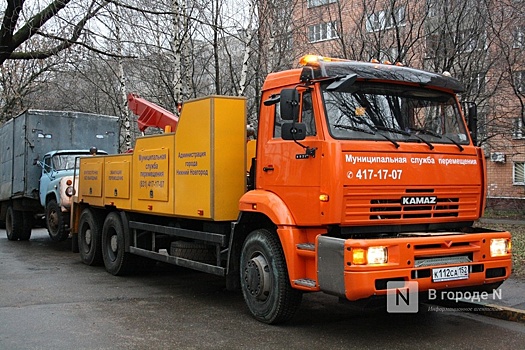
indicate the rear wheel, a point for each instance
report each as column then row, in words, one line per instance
column 116, row 259
column 56, row 222
column 27, row 225
column 89, row 238
column 264, row 279
column 14, row 224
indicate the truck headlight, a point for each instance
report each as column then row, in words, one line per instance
column 70, row 191
column 377, row 255
column 499, row 247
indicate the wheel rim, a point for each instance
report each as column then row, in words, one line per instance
column 53, row 220
column 257, row 277
column 87, row 237
column 113, row 247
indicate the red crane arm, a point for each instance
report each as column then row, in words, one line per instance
column 151, row 114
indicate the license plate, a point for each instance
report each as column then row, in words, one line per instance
column 450, row 273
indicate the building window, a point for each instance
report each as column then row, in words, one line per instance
column 315, row 3
column 518, row 132
column 519, row 81
column 478, row 84
column 469, row 41
column 518, row 173
column 386, row 19
column 519, row 38
column 322, row 31
column 432, row 8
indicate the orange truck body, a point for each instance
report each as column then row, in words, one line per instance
column 344, row 214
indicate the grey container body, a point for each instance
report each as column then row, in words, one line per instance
column 33, row 133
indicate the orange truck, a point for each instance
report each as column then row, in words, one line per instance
column 362, row 174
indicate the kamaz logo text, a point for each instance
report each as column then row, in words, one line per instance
column 418, row 200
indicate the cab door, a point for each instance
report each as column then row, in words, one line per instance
column 45, row 178
column 284, row 168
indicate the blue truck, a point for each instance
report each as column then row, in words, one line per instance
column 37, row 160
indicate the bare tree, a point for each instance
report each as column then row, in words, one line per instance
column 59, row 32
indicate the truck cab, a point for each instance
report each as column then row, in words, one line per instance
column 372, row 179
column 57, row 175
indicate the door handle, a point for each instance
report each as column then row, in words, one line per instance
column 268, row 168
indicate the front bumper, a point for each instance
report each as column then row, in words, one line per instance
column 339, row 276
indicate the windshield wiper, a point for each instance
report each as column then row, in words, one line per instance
column 435, row 134
column 426, row 132
column 373, row 132
column 354, row 128
column 454, row 142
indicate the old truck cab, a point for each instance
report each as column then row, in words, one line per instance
column 57, row 175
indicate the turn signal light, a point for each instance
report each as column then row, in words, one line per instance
column 358, row 256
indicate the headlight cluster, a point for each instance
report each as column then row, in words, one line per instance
column 70, row 191
column 370, row 255
column 67, row 183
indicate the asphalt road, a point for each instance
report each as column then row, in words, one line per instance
column 50, row 300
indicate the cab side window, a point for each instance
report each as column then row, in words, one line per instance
column 278, row 121
column 47, row 164
column 307, row 116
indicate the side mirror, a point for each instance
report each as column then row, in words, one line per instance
column 289, row 104
column 293, row 131
column 472, row 120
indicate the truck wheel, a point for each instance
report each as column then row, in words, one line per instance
column 55, row 221
column 28, row 222
column 89, row 237
column 117, row 261
column 264, row 279
column 14, row 223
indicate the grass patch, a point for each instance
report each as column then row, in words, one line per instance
column 514, row 214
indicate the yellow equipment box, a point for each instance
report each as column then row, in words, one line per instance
column 90, row 180
column 197, row 172
column 117, row 179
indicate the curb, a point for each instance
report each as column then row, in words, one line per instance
column 503, row 313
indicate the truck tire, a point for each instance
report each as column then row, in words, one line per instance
column 90, row 237
column 117, row 261
column 14, row 223
column 264, row 279
column 56, row 222
column 28, row 223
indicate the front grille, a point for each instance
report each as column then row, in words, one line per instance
column 382, row 204
column 442, row 260
column 393, row 209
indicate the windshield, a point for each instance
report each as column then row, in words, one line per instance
column 64, row 161
column 373, row 111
